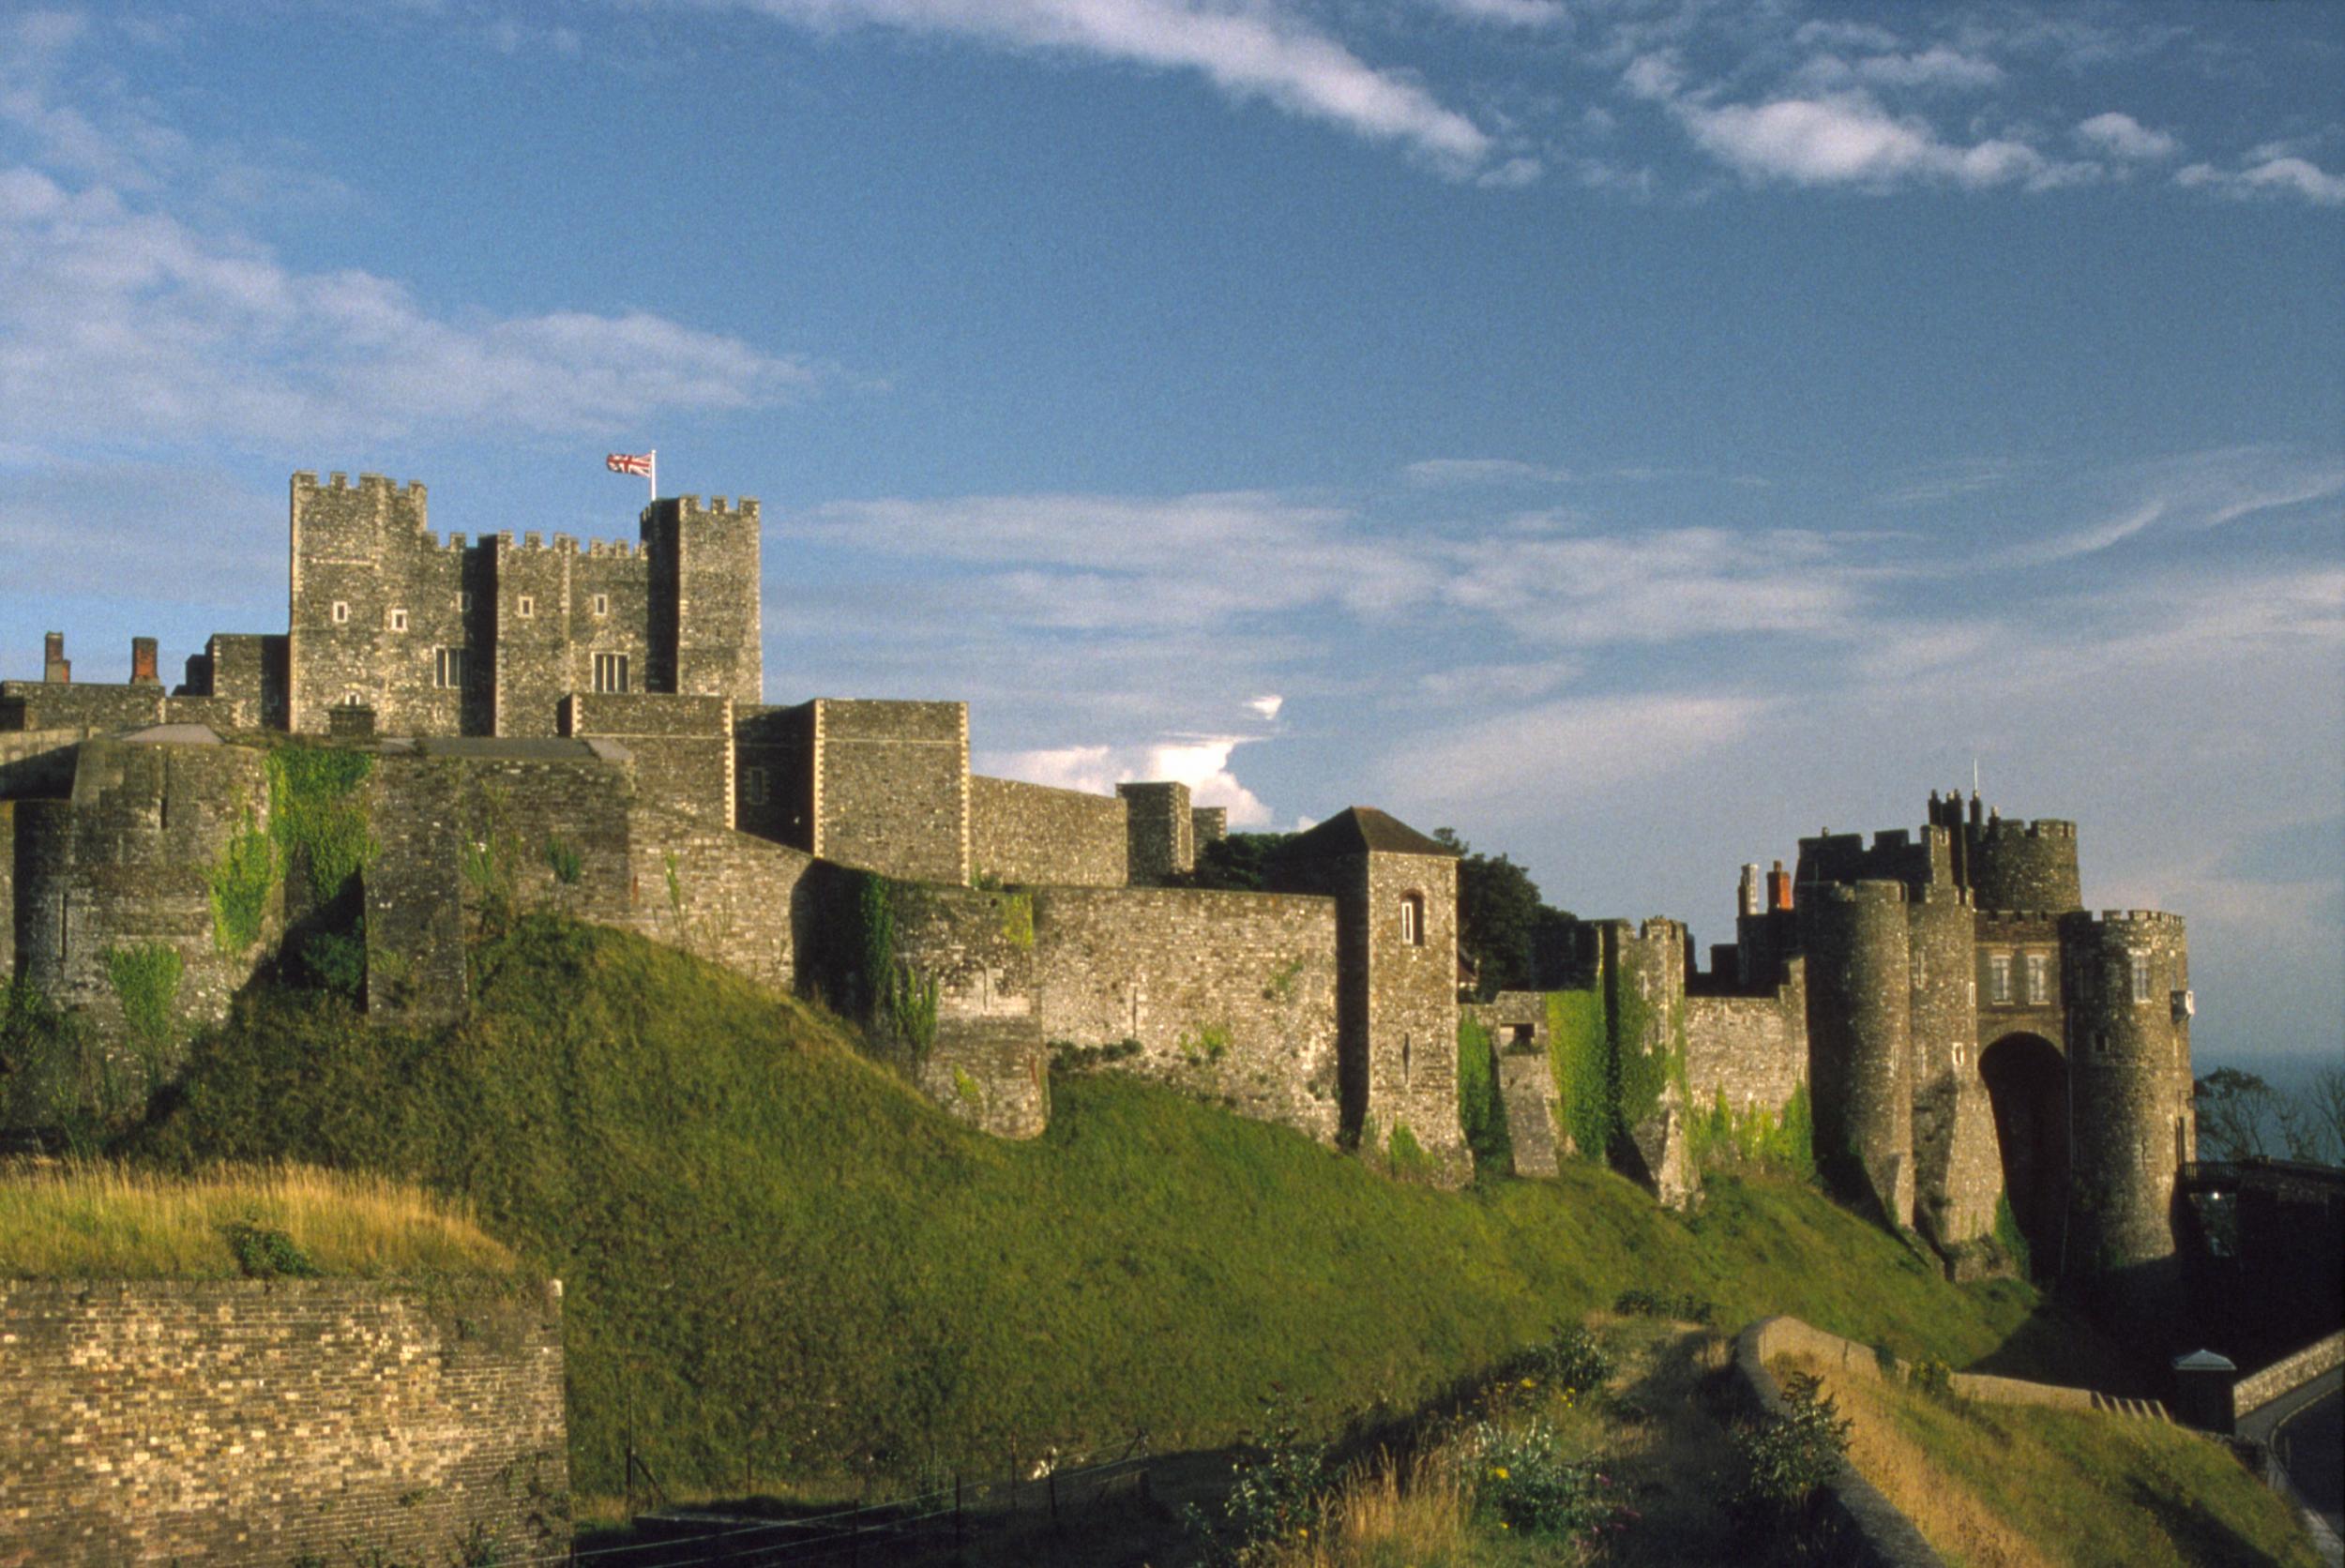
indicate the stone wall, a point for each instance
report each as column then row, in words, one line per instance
column 123, row 870
column 722, row 895
column 1751, row 1049
column 773, row 791
column 2030, row 866
column 1412, row 1005
column 2129, row 1091
column 681, row 746
column 1229, row 995
column 8, row 891
column 1031, row 833
column 1161, row 832
column 80, row 706
column 891, row 788
column 986, row 1061
column 245, row 673
column 278, row 1422
column 1957, row 1167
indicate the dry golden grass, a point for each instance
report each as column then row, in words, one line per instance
column 84, row 1220
column 1381, row 1517
column 1954, row 1519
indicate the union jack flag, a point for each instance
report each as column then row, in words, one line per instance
column 624, row 462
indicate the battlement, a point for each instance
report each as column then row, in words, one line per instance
column 2043, row 827
column 1940, row 894
column 1996, row 920
column 411, row 490
column 717, row 508
column 2118, row 919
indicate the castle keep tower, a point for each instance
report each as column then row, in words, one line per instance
column 487, row 638
column 2129, row 1046
column 1860, row 1038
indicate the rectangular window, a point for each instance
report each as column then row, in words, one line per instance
column 463, row 604
column 524, row 607
column 2141, row 977
column 2038, row 977
column 1999, row 977
column 602, row 604
column 398, row 620
column 610, row 671
column 753, row 785
column 342, row 612
column 447, row 669
column 1413, row 919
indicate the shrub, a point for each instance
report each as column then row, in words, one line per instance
column 1788, row 1456
column 265, row 1252
column 240, row 881
column 1481, row 1109
column 146, row 980
column 1275, row 1496
column 2009, row 1237
column 1571, row 1360
column 1520, row 1475
column 563, row 859
column 337, row 960
column 1681, row 1306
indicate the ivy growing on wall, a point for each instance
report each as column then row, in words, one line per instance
column 146, row 980
column 1579, row 1034
column 240, row 881
column 318, row 816
column 1756, row 1138
column 1481, row 1109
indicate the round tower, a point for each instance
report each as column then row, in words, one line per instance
column 2129, row 989
column 2031, row 865
column 1859, row 1038
column 1956, row 1172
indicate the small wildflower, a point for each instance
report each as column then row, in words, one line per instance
column 1530, row 1382
column 1500, row 1472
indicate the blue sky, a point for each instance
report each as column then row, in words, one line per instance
column 1634, row 435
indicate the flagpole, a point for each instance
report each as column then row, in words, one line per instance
column 655, row 475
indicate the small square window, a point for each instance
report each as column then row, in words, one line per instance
column 602, row 604
column 611, row 672
column 342, row 612
column 524, row 607
column 447, row 669
column 398, row 620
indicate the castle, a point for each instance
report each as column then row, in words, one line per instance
column 450, row 727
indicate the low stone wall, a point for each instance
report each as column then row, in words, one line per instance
column 1884, row 1538
column 1751, row 1049
column 681, row 746
column 1032, row 833
column 277, row 1422
column 2261, row 1388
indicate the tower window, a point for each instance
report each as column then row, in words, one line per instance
column 2141, row 964
column 342, row 612
column 610, row 671
column 2038, row 977
column 448, row 668
column 524, row 607
column 398, row 620
column 753, row 785
column 463, row 603
column 602, row 604
column 1999, row 977
column 1413, row 919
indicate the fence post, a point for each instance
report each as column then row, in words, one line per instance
column 960, row 1522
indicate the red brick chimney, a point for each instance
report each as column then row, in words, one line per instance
column 142, row 662
column 1778, row 888
column 54, row 667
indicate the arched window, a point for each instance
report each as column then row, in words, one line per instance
column 1413, row 919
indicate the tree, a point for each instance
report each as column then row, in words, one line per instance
column 1500, row 919
column 2241, row 1116
column 1238, row 863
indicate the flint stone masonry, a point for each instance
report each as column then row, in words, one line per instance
column 1032, row 833
column 86, row 705
column 272, row 1422
column 1162, row 832
column 1230, row 995
column 1752, row 1050
column 890, row 788
column 1526, row 1088
column 681, row 746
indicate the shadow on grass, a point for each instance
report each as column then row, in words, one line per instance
column 2199, row 1538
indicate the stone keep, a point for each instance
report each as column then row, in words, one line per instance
column 451, row 638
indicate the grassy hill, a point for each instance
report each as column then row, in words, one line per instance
column 782, row 1261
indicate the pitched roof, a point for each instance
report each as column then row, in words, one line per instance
column 1358, row 829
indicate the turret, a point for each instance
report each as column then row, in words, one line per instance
column 706, row 616
column 2129, row 1006
column 1859, row 1010
column 2014, row 866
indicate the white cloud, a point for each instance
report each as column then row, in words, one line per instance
column 1848, row 139
column 1652, row 587
column 1201, row 762
column 1483, row 471
column 1564, row 747
column 2123, row 136
column 117, row 321
column 2268, row 171
column 1266, row 705
column 1267, row 51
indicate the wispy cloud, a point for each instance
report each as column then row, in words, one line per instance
column 1571, row 745
column 2288, row 176
column 1201, row 762
column 1483, row 471
column 1268, row 50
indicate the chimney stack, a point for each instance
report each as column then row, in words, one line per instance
column 142, row 662
column 1748, row 900
column 1778, row 888
column 55, row 667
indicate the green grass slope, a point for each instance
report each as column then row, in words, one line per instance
column 779, row 1261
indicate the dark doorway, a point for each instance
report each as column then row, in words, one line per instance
column 2027, row 1079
